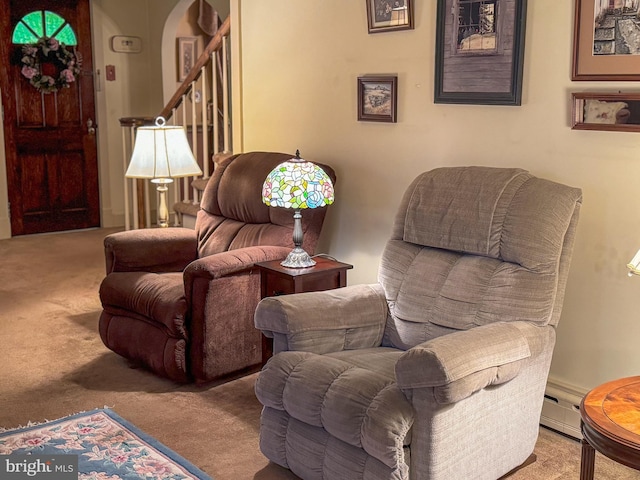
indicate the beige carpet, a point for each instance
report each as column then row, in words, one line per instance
column 54, row 364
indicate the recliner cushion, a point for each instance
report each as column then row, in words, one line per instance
column 491, row 212
column 360, row 406
column 219, row 234
column 156, row 298
column 462, row 209
column 459, row 291
column 471, row 246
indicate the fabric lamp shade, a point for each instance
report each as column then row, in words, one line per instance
column 634, row 265
column 162, row 152
column 297, row 184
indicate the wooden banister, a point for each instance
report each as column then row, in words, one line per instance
column 208, row 125
column 203, row 59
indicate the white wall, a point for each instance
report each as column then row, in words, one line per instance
column 300, row 61
column 124, row 97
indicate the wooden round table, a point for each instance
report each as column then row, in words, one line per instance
column 611, row 424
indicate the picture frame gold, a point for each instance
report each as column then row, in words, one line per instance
column 377, row 98
column 389, row 15
column 606, row 111
column 187, row 55
column 595, row 57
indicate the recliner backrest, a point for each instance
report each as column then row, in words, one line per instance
column 477, row 245
column 233, row 216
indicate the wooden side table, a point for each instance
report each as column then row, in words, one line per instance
column 275, row 279
column 610, row 415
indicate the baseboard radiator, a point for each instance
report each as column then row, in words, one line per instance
column 561, row 408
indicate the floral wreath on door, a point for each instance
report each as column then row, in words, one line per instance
column 49, row 65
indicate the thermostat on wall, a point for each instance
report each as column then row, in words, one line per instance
column 126, row 44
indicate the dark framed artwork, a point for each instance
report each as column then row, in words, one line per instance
column 377, row 98
column 605, row 45
column 389, row 15
column 616, row 112
column 480, row 51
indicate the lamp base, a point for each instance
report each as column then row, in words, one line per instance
column 163, row 211
column 298, row 258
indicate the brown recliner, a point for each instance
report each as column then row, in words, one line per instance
column 180, row 302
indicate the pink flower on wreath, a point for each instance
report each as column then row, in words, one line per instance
column 29, row 72
column 53, row 44
column 67, row 75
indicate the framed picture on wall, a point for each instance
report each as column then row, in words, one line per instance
column 480, row 51
column 389, row 15
column 187, row 55
column 606, row 45
column 609, row 111
column 377, row 98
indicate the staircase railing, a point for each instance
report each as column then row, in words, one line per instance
column 201, row 105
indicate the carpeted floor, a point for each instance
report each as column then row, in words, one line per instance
column 54, row 364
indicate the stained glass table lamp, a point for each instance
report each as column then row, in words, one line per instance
column 297, row 184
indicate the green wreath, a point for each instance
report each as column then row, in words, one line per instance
column 49, row 66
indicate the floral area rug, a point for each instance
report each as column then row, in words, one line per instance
column 108, row 448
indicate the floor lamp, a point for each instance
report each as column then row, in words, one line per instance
column 160, row 154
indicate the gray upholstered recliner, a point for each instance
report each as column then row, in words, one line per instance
column 438, row 371
column 180, row 302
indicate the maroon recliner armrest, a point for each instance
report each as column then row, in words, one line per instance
column 150, row 250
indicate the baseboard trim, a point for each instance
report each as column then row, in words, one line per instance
column 5, row 228
column 561, row 408
column 109, row 219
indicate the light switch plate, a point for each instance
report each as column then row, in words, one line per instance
column 126, row 44
column 110, row 71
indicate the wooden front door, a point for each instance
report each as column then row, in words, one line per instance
column 50, row 138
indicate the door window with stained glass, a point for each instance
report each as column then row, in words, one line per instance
column 39, row 24
column 43, row 38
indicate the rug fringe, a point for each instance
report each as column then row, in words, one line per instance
column 35, row 424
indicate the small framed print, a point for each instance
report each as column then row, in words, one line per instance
column 389, row 15
column 608, row 111
column 377, row 98
column 187, row 55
